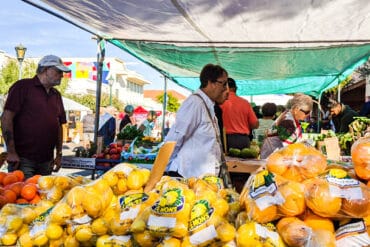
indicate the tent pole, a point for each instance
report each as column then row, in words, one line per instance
column 164, row 107
column 318, row 127
column 99, row 69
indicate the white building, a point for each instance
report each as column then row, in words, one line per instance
column 126, row 85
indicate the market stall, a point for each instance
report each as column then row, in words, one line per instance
column 296, row 198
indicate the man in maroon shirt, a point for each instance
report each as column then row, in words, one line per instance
column 32, row 120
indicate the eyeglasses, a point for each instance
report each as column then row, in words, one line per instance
column 305, row 112
column 224, row 83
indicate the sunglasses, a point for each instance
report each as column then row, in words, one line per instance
column 224, row 84
column 305, row 112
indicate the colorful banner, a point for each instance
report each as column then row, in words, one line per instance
column 86, row 70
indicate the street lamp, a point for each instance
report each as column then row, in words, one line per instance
column 21, row 52
column 110, row 83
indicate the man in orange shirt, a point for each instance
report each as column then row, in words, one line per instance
column 238, row 118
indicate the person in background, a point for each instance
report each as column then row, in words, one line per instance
column 218, row 113
column 32, row 120
column 287, row 129
column 239, row 119
column 256, row 110
column 148, row 125
column 129, row 110
column 195, row 131
column 265, row 123
column 107, row 125
column 279, row 109
column 365, row 110
column 341, row 115
column 88, row 123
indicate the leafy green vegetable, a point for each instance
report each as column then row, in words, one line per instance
column 130, row 132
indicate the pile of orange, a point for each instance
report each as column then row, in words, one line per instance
column 15, row 189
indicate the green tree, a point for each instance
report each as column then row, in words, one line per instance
column 89, row 100
column 10, row 74
column 172, row 102
column 364, row 70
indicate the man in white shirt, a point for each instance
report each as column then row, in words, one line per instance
column 198, row 150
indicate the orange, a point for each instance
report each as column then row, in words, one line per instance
column 9, row 179
column 16, row 187
column 33, row 179
column 319, row 223
column 35, row 199
column 360, row 151
column 3, row 201
column 19, row 174
column 2, row 176
column 10, row 196
column 21, row 201
column 29, row 191
column 319, row 198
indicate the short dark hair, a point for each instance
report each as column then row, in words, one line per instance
column 210, row 72
column 231, row 83
column 269, row 109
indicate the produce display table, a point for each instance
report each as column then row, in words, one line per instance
column 240, row 169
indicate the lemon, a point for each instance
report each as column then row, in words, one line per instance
column 135, row 180
column 45, row 182
column 23, row 229
column 92, row 203
column 75, row 196
column 62, row 182
column 247, row 236
column 9, row 239
column 144, row 239
column 138, row 225
column 25, row 240
column 121, row 186
column 104, row 241
column 54, row 231
column 61, row 213
column 189, row 195
column 14, row 223
column 55, row 194
column 40, row 240
column 84, row 234
column 118, row 227
column 170, row 242
column 226, row 232
column 99, row 226
column 146, row 174
column 28, row 214
column 111, row 178
column 221, row 207
column 9, row 209
column 71, row 241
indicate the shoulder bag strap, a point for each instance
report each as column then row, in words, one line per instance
column 224, row 173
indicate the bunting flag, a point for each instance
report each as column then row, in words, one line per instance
column 83, row 69
column 69, row 74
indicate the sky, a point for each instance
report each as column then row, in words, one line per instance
column 43, row 34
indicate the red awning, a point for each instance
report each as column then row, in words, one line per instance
column 140, row 110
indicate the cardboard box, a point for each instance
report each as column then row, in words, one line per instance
column 237, row 165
